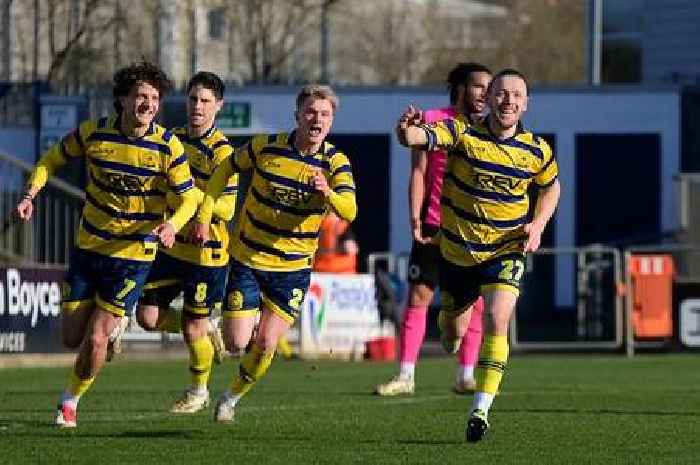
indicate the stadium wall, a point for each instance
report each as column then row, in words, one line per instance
column 563, row 115
column 620, row 143
column 645, row 119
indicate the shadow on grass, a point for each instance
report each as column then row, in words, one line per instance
column 602, row 412
column 44, row 430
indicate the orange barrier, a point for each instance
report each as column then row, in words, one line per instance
column 381, row 348
column 335, row 263
column 652, row 295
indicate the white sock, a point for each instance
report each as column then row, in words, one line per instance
column 465, row 373
column 70, row 399
column 482, row 401
column 199, row 390
column 407, row 370
column 231, row 398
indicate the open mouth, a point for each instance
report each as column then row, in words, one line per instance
column 315, row 131
column 507, row 111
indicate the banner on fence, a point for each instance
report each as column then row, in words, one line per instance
column 30, row 309
column 339, row 315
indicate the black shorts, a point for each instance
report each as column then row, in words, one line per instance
column 424, row 263
column 460, row 286
column 202, row 286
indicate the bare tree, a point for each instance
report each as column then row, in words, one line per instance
column 545, row 39
column 5, row 8
column 382, row 43
column 83, row 19
column 273, row 32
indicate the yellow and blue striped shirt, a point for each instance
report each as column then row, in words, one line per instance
column 128, row 178
column 279, row 225
column 484, row 202
column 204, row 154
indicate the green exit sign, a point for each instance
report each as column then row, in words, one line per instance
column 234, row 115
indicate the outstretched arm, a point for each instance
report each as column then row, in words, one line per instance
column 408, row 131
column 547, row 201
column 52, row 160
column 416, row 193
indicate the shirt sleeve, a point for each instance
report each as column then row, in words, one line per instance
column 241, row 160
column 342, row 197
column 225, row 205
column 550, row 170
column 70, row 146
column 178, row 170
column 181, row 183
column 444, row 134
column 215, row 187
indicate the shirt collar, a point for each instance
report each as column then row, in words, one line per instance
column 519, row 129
column 290, row 141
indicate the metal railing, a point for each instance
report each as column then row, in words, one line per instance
column 48, row 238
column 595, row 308
column 598, row 278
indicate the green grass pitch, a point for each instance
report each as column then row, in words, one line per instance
column 556, row 409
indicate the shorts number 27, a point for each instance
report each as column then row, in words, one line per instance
column 512, row 270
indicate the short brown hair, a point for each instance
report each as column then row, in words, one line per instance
column 510, row 72
column 317, row 91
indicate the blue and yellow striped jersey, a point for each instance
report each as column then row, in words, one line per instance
column 127, row 183
column 204, row 154
column 280, row 220
column 484, row 200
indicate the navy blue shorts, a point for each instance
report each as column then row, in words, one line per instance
column 281, row 291
column 202, row 286
column 460, row 286
column 424, row 262
column 114, row 284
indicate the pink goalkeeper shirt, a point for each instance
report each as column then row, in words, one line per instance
column 437, row 161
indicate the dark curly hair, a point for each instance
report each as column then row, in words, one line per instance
column 461, row 74
column 209, row 81
column 126, row 78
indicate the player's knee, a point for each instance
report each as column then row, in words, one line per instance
column 236, row 350
column 147, row 317
column 98, row 341
column 420, row 295
column 237, row 344
column 194, row 328
column 266, row 342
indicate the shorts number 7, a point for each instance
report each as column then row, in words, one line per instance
column 129, row 285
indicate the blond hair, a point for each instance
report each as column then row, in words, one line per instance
column 319, row 92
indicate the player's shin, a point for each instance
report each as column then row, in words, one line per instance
column 253, row 367
column 489, row 370
column 201, row 357
column 76, row 387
